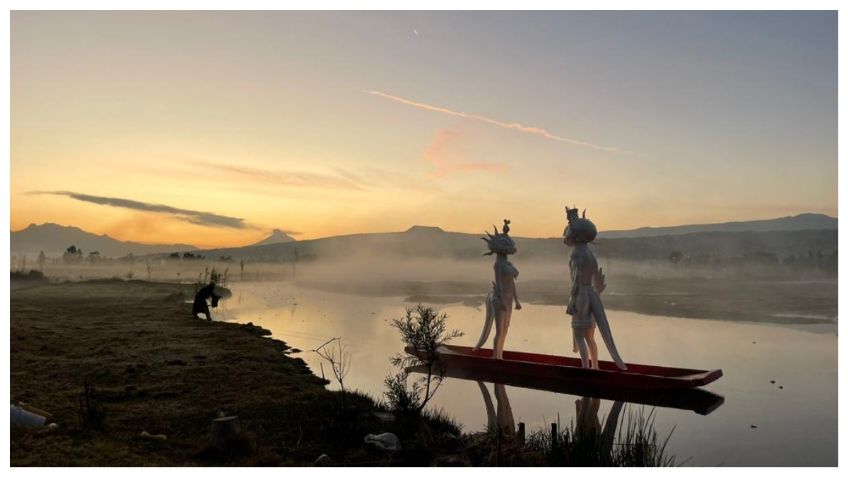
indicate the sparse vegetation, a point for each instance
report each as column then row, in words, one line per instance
column 338, row 357
column 636, row 444
column 425, row 330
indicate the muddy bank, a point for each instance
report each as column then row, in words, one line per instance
column 156, row 369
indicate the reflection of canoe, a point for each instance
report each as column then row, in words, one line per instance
column 640, row 383
column 696, row 400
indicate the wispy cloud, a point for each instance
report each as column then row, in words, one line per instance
column 279, row 178
column 445, row 153
column 197, row 217
column 536, row 131
column 380, row 179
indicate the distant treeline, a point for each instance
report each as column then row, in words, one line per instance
column 801, row 250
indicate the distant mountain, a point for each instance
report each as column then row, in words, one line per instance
column 54, row 239
column 433, row 242
column 277, row 236
column 797, row 222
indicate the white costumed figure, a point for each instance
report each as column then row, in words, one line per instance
column 499, row 300
column 587, row 283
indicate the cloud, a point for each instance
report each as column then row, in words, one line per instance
column 446, row 154
column 536, row 131
column 376, row 178
column 280, row 178
column 207, row 219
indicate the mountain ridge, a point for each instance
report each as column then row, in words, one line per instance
column 52, row 238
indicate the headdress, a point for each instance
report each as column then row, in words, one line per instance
column 501, row 242
column 580, row 229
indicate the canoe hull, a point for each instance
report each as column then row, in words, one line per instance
column 568, row 370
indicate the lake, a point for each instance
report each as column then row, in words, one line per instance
column 759, row 423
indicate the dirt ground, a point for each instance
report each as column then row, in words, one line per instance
column 154, row 368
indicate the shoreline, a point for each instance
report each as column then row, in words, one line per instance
column 156, row 370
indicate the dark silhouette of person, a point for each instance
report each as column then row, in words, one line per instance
column 200, row 305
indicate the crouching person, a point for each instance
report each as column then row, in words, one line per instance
column 200, row 305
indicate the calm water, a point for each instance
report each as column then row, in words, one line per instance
column 796, row 425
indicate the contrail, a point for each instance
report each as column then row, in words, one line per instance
column 494, row 122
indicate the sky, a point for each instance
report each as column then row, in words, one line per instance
column 212, row 128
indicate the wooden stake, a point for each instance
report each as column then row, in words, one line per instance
column 224, row 431
column 553, row 434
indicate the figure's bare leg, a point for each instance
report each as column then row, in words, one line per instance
column 501, row 329
column 500, row 336
column 593, row 347
column 580, row 338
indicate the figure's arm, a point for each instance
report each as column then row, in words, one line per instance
column 515, row 288
column 574, row 264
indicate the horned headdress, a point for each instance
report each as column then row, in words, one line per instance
column 580, row 229
column 500, row 242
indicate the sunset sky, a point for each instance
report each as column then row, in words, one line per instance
column 214, row 128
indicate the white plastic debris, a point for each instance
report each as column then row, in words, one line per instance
column 385, row 441
column 23, row 418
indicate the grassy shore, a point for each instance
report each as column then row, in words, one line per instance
column 156, row 369
column 151, row 368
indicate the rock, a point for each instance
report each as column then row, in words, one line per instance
column 385, row 416
column 385, row 441
column 153, row 437
column 49, row 428
column 753, row 426
column 323, row 460
column 772, row 381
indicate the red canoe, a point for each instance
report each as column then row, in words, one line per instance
column 560, row 368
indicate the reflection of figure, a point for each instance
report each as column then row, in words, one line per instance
column 499, row 300
column 589, row 426
column 502, row 417
column 587, row 283
column 200, row 305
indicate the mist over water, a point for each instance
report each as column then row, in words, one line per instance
column 753, row 324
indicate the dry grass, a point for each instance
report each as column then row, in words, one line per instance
column 154, row 368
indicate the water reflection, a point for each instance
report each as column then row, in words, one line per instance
column 699, row 401
column 499, row 419
column 751, row 355
column 589, row 425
